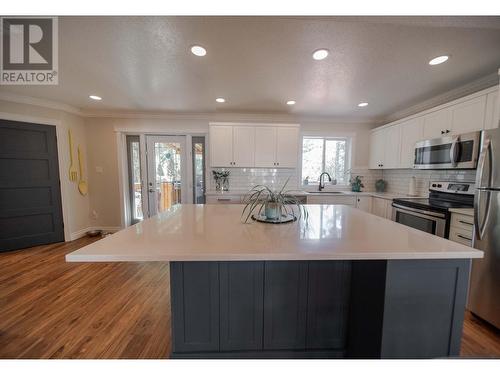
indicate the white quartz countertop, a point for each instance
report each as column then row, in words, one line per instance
column 215, row 233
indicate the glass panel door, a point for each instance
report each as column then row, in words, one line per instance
column 134, row 178
column 166, row 172
column 198, row 170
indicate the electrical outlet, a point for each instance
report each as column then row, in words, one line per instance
column 95, row 215
column 99, row 169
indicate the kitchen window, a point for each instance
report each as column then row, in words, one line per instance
column 325, row 154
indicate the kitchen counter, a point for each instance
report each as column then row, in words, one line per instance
column 215, row 233
column 302, row 193
column 346, row 285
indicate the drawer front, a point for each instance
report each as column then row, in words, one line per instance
column 227, row 199
column 463, row 236
column 328, row 199
column 462, row 221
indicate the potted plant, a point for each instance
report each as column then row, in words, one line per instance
column 275, row 206
column 356, row 184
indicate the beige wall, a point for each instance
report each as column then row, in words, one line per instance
column 75, row 206
column 102, row 145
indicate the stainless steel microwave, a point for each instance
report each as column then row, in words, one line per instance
column 450, row 152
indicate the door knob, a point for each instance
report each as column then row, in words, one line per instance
column 151, row 190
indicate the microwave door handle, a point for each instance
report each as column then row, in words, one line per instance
column 453, row 150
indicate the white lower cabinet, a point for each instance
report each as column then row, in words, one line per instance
column 225, row 199
column 461, row 228
column 382, row 207
column 364, row 203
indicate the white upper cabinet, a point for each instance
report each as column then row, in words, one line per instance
column 243, row 146
column 412, row 131
column 438, row 123
column 377, row 149
column 468, row 116
column 287, row 147
column 247, row 146
column 393, row 146
column 392, row 150
column 265, row 147
column 492, row 111
column 221, row 145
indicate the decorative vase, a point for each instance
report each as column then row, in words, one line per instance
column 218, row 184
column 272, row 211
column 225, row 184
column 356, row 188
column 380, row 186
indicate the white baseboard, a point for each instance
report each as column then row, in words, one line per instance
column 82, row 232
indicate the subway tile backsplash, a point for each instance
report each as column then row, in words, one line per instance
column 398, row 180
column 246, row 178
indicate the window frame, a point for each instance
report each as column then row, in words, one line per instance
column 349, row 147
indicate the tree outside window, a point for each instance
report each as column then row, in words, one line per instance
column 320, row 154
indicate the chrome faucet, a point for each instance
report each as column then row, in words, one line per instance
column 321, row 182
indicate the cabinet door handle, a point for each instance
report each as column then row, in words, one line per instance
column 465, row 222
column 465, row 238
column 224, row 199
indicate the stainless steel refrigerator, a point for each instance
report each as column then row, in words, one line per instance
column 484, row 295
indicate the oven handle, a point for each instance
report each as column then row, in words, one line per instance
column 422, row 212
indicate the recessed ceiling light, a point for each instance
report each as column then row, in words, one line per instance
column 198, row 51
column 320, row 54
column 363, row 104
column 95, row 97
column 220, row 100
column 438, row 60
column 291, row 102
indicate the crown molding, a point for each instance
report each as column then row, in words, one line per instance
column 50, row 104
column 457, row 93
column 228, row 117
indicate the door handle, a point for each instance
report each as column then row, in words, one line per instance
column 151, row 190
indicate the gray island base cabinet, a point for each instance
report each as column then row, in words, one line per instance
column 318, row 309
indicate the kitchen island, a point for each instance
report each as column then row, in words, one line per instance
column 346, row 284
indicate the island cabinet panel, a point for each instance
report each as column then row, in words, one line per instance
column 328, row 304
column 424, row 308
column 241, row 305
column 195, row 306
column 285, row 305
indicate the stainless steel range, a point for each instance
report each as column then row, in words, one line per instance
column 432, row 214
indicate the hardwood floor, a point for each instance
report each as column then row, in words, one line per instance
column 53, row 309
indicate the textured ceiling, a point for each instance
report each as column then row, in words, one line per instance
column 258, row 63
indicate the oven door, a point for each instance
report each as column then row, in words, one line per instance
column 427, row 221
column 451, row 152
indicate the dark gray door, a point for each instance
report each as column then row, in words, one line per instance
column 285, row 305
column 241, row 305
column 30, row 194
